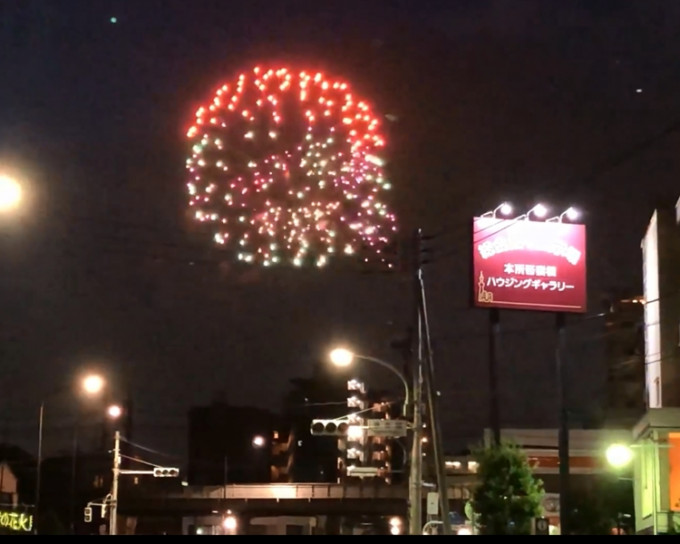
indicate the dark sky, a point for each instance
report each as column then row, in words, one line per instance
column 563, row 102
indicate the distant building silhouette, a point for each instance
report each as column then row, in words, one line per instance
column 231, row 444
column 624, row 359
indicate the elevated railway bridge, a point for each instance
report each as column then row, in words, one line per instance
column 203, row 508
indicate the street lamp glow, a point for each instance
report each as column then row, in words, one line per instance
column 229, row 522
column 114, row 411
column 619, row 455
column 258, row 441
column 10, row 193
column 341, row 357
column 395, row 525
column 93, row 384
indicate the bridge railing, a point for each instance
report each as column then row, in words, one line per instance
column 312, row 491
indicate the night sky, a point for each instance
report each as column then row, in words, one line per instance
column 568, row 103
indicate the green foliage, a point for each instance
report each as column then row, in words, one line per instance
column 508, row 496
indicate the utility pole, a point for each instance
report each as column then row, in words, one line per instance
column 114, row 486
column 415, row 486
column 432, row 403
column 415, row 495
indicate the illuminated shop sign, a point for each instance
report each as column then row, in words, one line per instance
column 16, row 521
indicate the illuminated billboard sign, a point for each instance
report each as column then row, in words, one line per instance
column 529, row 265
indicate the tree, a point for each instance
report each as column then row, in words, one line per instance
column 508, row 497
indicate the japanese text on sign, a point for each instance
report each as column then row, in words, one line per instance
column 16, row 521
column 529, row 265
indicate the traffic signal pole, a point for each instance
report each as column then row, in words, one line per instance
column 156, row 472
column 114, row 486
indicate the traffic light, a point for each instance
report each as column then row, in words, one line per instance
column 329, row 427
column 87, row 514
column 165, row 472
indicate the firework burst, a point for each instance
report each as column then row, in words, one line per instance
column 287, row 167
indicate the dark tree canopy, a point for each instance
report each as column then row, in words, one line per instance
column 508, row 497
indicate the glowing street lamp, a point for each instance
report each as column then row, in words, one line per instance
column 114, row 411
column 11, row 193
column 619, row 455
column 91, row 384
column 230, row 523
column 343, row 358
column 259, row 441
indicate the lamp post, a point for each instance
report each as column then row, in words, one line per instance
column 91, row 384
column 620, row 456
column 342, row 357
column 113, row 411
column 258, row 442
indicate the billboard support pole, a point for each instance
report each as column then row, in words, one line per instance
column 494, row 408
column 563, row 432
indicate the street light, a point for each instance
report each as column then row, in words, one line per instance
column 230, row 523
column 619, row 455
column 258, row 442
column 342, row 357
column 11, row 193
column 91, row 384
column 114, row 411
